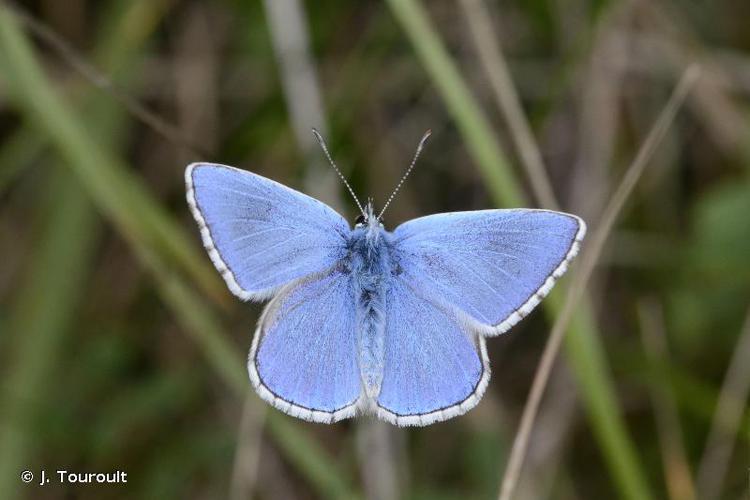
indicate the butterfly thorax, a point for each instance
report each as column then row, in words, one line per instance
column 370, row 270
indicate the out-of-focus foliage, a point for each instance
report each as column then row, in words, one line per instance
column 120, row 349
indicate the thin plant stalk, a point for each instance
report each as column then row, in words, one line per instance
column 581, row 276
column 486, row 44
column 601, row 84
column 121, row 196
column 118, row 192
column 471, row 121
column 298, row 72
column 376, row 451
column 583, row 346
column 202, row 326
column 289, row 33
column 676, row 467
column 47, row 300
column 104, row 82
column 287, row 23
column 247, row 452
column 18, row 152
column 735, row 389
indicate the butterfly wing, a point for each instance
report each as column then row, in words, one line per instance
column 303, row 358
column 434, row 368
column 259, row 233
column 494, row 265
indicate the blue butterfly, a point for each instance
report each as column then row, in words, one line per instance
column 367, row 321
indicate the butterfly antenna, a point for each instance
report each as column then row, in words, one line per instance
column 408, row 171
column 341, row 176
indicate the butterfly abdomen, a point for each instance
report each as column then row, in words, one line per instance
column 370, row 265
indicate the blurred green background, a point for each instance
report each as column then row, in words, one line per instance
column 121, row 349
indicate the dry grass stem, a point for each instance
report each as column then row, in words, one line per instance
column 726, row 422
column 601, row 88
column 299, row 79
column 676, row 42
column 196, row 65
column 101, row 81
column 486, row 43
column 291, row 42
column 558, row 415
column 247, row 453
column 676, row 466
column 376, row 449
column 588, row 262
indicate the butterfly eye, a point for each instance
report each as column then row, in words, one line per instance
column 360, row 220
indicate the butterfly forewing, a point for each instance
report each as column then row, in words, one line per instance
column 493, row 265
column 259, row 233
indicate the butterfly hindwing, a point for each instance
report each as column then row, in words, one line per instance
column 303, row 359
column 494, row 265
column 259, row 233
column 434, row 367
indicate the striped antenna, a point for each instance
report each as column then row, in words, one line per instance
column 341, row 176
column 406, row 174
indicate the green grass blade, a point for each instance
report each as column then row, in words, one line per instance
column 588, row 360
column 583, row 344
column 156, row 239
column 17, row 153
column 470, row 119
column 200, row 323
column 46, row 302
column 118, row 193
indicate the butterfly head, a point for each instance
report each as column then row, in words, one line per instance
column 368, row 220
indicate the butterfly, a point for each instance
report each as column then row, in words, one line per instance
column 363, row 320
